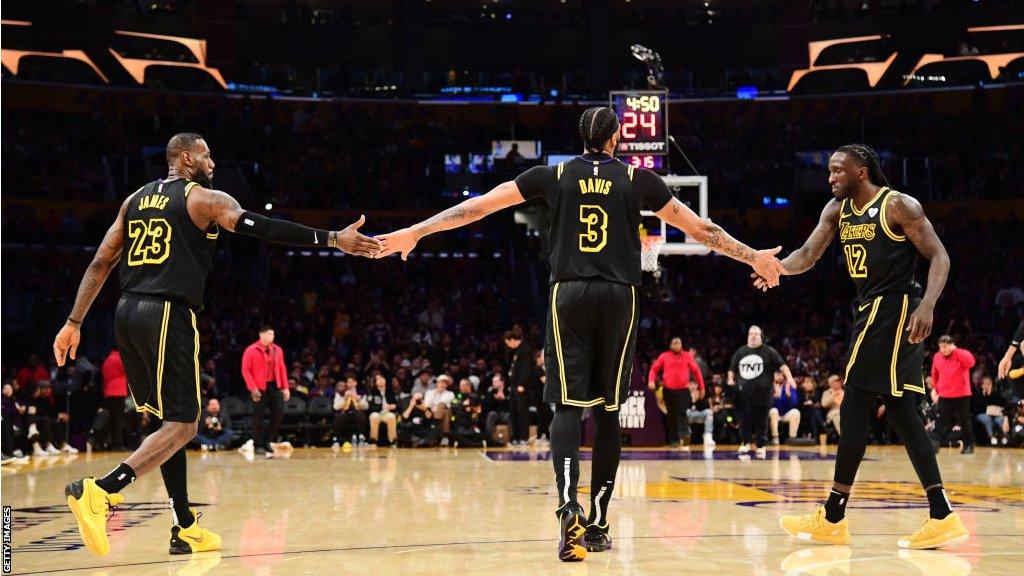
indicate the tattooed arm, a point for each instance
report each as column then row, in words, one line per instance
column 107, row 255
column 713, row 236
column 207, row 207
column 404, row 241
column 905, row 213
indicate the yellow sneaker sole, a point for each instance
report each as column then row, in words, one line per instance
column 808, row 537
column 938, row 542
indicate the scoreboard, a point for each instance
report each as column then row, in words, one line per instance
column 643, row 116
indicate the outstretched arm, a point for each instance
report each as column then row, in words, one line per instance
column 803, row 258
column 403, row 241
column 713, row 236
column 207, row 207
column 906, row 213
column 107, row 255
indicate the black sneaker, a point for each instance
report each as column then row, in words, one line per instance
column 967, row 449
column 571, row 527
column 596, row 538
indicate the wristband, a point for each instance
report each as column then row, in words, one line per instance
column 74, row 322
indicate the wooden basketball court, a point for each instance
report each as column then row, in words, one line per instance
column 467, row 511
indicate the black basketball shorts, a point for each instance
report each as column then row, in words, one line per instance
column 591, row 335
column 159, row 346
column 882, row 359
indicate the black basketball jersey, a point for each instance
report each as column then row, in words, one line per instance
column 878, row 260
column 595, row 203
column 165, row 255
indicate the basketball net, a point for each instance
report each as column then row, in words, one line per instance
column 650, row 247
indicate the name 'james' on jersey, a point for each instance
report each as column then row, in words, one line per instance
column 165, row 255
column 878, row 260
column 595, row 203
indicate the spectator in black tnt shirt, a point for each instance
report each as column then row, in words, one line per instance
column 751, row 370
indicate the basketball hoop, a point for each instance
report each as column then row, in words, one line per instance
column 650, row 247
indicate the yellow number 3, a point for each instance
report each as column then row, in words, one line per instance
column 595, row 236
column 151, row 241
column 856, row 260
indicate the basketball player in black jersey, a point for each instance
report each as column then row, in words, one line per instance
column 595, row 203
column 881, row 232
column 163, row 241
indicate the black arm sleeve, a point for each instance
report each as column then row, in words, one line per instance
column 539, row 181
column 651, row 190
column 777, row 358
column 1019, row 336
column 280, row 231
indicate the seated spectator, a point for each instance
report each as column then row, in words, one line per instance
column 1017, row 428
column 810, row 407
column 723, row 405
column 297, row 390
column 831, row 399
column 11, row 422
column 785, row 408
column 418, row 427
column 350, row 413
column 214, row 427
column 466, row 409
column 46, row 426
column 383, row 408
column 208, row 380
column 422, row 383
column 439, row 402
column 990, row 410
column 496, row 408
column 700, row 412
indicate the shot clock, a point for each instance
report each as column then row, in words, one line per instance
column 643, row 116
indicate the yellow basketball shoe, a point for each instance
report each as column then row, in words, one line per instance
column 195, row 538
column 936, row 533
column 90, row 504
column 814, row 527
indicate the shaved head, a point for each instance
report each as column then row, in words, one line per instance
column 181, row 142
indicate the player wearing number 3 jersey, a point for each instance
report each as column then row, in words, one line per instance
column 163, row 239
column 881, row 232
column 595, row 203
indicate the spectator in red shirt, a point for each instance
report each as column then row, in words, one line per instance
column 677, row 367
column 30, row 374
column 951, row 377
column 115, row 389
column 265, row 375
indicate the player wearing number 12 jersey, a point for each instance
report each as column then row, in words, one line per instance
column 881, row 231
column 163, row 240
column 595, row 202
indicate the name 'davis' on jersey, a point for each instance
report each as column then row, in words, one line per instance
column 595, row 186
column 751, row 366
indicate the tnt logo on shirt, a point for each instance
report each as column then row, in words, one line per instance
column 751, row 366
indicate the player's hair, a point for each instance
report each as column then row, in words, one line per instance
column 265, row 328
column 945, row 339
column 181, row 142
column 597, row 125
column 868, row 158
